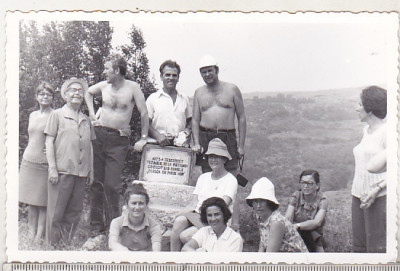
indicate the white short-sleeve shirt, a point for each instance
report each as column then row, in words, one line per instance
column 206, row 188
column 168, row 117
column 229, row 241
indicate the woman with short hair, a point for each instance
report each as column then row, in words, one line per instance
column 34, row 168
column 135, row 230
column 369, row 184
column 217, row 236
column 307, row 210
column 277, row 233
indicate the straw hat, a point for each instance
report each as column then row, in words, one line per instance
column 218, row 147
column 69, row 82
column 207, row 61
column 262, row 189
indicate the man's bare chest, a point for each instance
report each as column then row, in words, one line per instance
column 222, row 100
column 117, row 100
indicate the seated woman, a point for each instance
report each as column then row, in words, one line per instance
column 277, row 233
column 134, row 229
column 217, row 237
column 307, row 209
column 217, row 183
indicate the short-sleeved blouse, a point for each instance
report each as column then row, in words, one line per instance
column 307, row 210
column 291, row 241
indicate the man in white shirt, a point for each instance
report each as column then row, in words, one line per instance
column 169, row 111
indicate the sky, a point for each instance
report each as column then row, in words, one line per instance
column 271, row 52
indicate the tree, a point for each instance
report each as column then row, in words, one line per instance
column 55, row 52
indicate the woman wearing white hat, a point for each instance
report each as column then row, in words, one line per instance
column 217, row 183
column 277, row 233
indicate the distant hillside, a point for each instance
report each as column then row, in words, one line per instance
column 290, row 132
column 344, row 93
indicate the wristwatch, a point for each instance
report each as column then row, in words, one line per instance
column 298, row 226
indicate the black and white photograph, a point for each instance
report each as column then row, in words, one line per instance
column 237, row 137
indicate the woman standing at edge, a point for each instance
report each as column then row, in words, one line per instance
column 369, row 184
column 34, row 167
column 307, row 209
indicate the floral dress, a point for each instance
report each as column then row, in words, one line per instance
column 291, row 241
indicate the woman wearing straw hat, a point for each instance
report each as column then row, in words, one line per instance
column 217, row 183
column 277, row 233
column 70, row 157
column 33, row 171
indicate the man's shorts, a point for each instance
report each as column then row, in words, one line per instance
column 227, row 136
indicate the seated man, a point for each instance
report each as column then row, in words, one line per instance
column 169, row 111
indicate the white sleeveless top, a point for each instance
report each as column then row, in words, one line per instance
column 370, row 145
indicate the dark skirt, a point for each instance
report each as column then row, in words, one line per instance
column 33, row 183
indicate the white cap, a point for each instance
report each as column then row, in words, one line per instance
column 207, row 61
column 262, row 189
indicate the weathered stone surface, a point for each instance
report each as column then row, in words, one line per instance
column 166, row 194
column 166, row 165
column 167, row 200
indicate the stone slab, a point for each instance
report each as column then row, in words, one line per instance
column 166, row 164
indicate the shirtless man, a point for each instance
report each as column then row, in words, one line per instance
column 112, row 138
column 215, row 106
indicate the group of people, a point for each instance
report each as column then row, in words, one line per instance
column 67, row 149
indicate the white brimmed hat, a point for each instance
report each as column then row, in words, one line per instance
column 218, row 147
column 262, row 189
column 207, row 61
column 67, row 83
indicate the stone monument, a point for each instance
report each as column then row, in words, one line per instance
column 166, row 173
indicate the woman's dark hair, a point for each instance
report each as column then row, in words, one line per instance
column 117, row 61
column 214, row 201
column 136, row 188
column 374, row 99
column 44, row 85
column 171, row 64
column 311, row 172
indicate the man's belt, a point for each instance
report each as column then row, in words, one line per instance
column 113, row 130
column 216, row 130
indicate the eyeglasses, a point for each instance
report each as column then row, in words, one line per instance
column 307, row 183
column 75, row 90
column 42, row 94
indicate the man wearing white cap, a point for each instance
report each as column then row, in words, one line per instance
column 214, row 108
column 119, row 97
